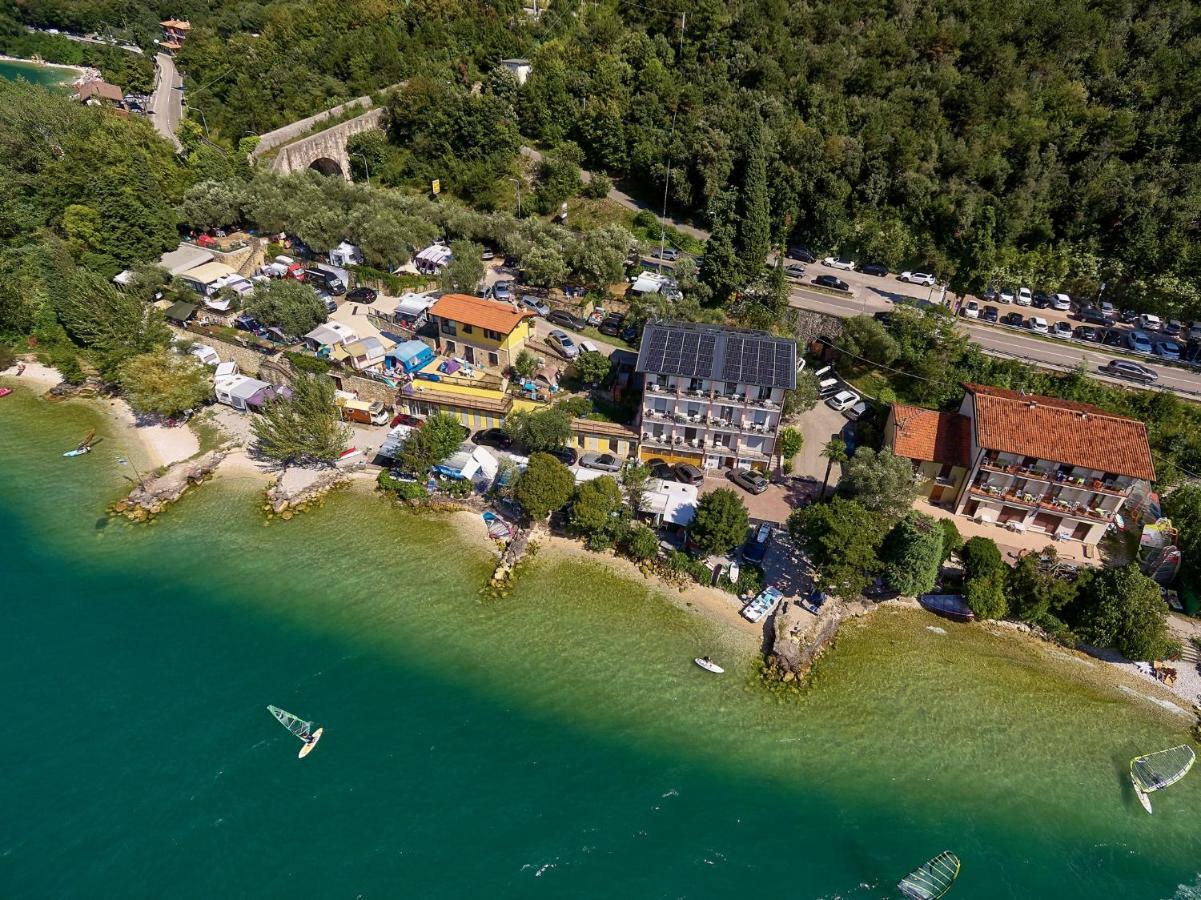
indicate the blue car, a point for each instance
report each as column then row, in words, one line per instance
column 1168, row 350
column 1139, row 342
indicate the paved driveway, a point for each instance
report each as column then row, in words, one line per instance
column 818, row 425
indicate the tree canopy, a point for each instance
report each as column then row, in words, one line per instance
column 720, row 522
column 290, row 305
column 545, row 486
column 164, row 383
column 844, row 540
column 305, row 428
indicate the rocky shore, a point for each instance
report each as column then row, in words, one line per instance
column 799, row 637
column 155, row 493
column 298, row 488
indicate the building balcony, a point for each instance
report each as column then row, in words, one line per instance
column 1029, row 501
column 1037, row 473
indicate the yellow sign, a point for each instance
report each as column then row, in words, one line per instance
column 436, row 186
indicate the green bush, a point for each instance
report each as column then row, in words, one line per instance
column 598, row 188
column 640, row 543
column 304, row 362
column 402, row 490
column 454, row 487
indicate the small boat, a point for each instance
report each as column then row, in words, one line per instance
column 951, row 606
column 762, row 605
column 4, row 392
column 1156, row 771
column 709, row 665
column 302, row 729
column 931, row 879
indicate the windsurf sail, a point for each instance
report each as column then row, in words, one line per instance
column 931, row 879
column 1156, row 771
column 294, row 724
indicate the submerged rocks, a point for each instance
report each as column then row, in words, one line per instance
column 157, row 492
column 298, row 487
column 801, row 637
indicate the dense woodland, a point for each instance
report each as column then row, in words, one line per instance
column 1055, row 144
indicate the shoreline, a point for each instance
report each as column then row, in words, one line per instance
column 165, row 446
column 81, row 70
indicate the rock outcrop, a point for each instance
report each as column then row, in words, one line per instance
column 800, row 637
column 297, row 487
column 157, row 492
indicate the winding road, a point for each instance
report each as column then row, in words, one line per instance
column 166, row 103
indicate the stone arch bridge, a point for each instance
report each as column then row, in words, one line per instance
column 325, row 151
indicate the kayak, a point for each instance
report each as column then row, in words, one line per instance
column 4, row 392
column 708, row 665
column 78, row 451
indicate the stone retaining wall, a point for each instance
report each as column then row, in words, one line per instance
column 287, row 133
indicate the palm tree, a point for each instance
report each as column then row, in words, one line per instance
column 835, row 451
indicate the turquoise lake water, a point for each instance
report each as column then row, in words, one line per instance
column 558, row 743
column 50, row 76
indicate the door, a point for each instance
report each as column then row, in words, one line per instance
column 970, row 508
column 936, row 495
column 1010, row 514
column 1080, row 532
column 1048, row 522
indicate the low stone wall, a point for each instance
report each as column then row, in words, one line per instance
column 249, row 361
column 287, row 133
column 367, row 389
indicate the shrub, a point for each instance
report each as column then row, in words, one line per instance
column 952, row 540
column 402, row 490
column 598, row 188
column 640, row 543
column 304, row 362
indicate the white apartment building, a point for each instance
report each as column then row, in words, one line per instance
column 713, row 396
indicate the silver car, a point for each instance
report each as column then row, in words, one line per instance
column 562, row 340
column 605, row 462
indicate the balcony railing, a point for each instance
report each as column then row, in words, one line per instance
column 1029, row 501
column 1051, row 477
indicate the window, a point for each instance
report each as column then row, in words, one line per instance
column 450, row 348
column 448, row 327
column 764, row 393
column 467, row 329
column 491, row 335
column 493, row 360
column 613, row 445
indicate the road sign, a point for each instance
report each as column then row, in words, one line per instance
column 436, row 186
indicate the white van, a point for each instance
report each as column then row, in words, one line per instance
column 827, row 386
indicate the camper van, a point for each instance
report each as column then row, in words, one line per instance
column 373, row 413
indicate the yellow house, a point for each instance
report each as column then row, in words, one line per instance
column 486, row 333
column 937, row 443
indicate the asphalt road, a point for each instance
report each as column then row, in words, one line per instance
column 876, row 294
column 166, row 103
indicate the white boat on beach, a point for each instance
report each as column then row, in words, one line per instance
column 709, row 665
column 762, row 605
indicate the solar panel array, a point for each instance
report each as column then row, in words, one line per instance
column 679, row 352
column 756, row 360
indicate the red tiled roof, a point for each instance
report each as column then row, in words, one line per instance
column 1061, row 430
column 479, row 312
column 931, row 436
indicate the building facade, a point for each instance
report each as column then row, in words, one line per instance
column 939, row 445
column 713, row 396
column 1040, row 464
column 175, row 32
column 486, row 333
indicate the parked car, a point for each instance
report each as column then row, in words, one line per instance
column 794, row 270
column 1139, row 341
column 588, row 347
column 564, row 343
column 1037, row 324
column 1086, row 333
column 1013, row 320
column 536, row 305
column 1148, row 322
column 612, row 324
column 827, row 386
column 1024, row 297
column 1128, row 316
column 804, row 254
column 1061, row 303
column 688, row 473
column 749, row 480
column 629, row 334
column 320, row 278
column 1131, row 371
column 924, row 278
column 989, row 314
column 1061, row 330
column 566, row 320
column 1041, row 301
column 661, row 470
column 566, row 455
column 1114, row 338
column 493, row 437
column 856, row 412
column 831, row 282
column 605, row 462
column 1194, row 333
column 362, row 295
column 1174, row 328
column 970, row 310
column 1006, row 295
column 668, row 254
column 502, row 290
column 874, row 269
column 251, row 324
column 1093, row 315
column 1168, row 350
column 755, row 547
column 837, row 263
column 842, row 400
column 488, row 255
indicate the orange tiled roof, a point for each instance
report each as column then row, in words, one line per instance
column 931, row 436
column 179, row 24
column 1061, row 430
column 479, row 312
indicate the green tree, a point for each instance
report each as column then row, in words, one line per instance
column 466, row 268
column 211, row 204
column 634, row 478
column 597, row 512
column 754, row 224
column 803, row 397
column 641, row 544
column 790, row 443
column 545, row 485
column 1035, row 589
column 912, row 554
column 952, row 540
column 542, row 264
column 881, row 481
column 289, row 305
column 723, row 268
column 164, row 383
column 592, row 367
column 558, row 177
column 597, row 257
column 115, row 324
column 438, row 437
column 1124, row 609
column 864, row 336
column 598, row 187
column 835, row 451
column 984, row 583
column 540, row 430
column 305, row 428
column 525, row 365
column 844, row 542
column 720, row 522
